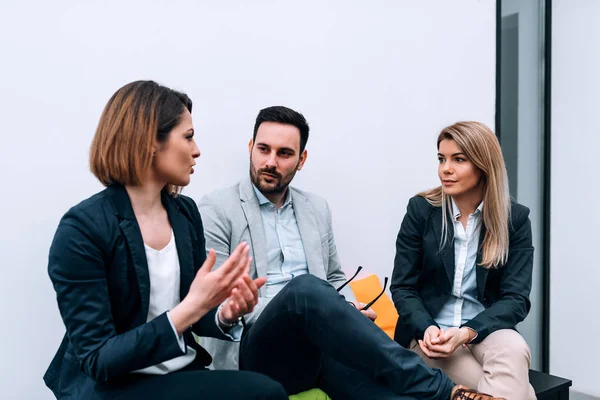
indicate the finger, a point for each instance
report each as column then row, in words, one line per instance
column 427, row 339
column 444, row 337
column 246, row 291
column 235, row 267
column 369, row 314
column 240, row 264
column 231, row 262
column 436, row 337
column 431, row 353
column 424, row 349
column 241, row 303
column 240, row 269
column 252, row 288
column 208, row 264
column 444, row 350
column 260, row 282
column 438, row 356
column 249, row 262
column 251, row 283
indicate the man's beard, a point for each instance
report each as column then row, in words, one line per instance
column 278, row 185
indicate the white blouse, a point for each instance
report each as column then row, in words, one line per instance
column 163, row 267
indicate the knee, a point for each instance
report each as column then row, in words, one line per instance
column 514, row 346
column 306, row 285
column 270, row 389
column 520, row 349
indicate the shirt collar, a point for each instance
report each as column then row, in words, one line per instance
column 456, row 212
column 262, row 199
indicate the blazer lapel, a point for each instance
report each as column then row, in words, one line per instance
column 309, row 232
column 183, row 242
column 481, row 272
column 133, row 236
column 447, row 252
column 251, row 210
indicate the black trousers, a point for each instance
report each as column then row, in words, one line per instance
column 309, row 336
column 195, row 382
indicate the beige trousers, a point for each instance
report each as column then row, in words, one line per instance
column 499, row 365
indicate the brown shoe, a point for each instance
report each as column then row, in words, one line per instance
column 464, row 393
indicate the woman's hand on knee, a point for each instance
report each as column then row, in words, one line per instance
column 447, row 342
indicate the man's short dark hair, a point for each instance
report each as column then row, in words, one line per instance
column 283, row 115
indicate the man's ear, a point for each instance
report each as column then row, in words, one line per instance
column 302, row 160
column 250, row 145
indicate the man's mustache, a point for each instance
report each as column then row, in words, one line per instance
column 270, row 171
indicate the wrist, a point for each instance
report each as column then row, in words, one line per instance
column 222, row 321
column 184, row 315
column 468, row 335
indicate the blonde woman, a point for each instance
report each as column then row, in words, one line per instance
column 463, row 268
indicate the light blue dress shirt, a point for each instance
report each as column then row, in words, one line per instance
column 462, row 305
column 285, row 252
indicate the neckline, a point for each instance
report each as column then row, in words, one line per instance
column 153, row 250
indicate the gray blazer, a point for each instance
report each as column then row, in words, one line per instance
column 232, row 215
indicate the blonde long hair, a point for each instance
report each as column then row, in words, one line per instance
column 481, row 146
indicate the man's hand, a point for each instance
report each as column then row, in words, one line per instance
column 372, row 315
column 444, row 345
column 243, row 299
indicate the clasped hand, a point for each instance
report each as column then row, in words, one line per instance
column 438, row 343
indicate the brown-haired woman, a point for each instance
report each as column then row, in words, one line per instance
column 463, row 268
column 130, row 270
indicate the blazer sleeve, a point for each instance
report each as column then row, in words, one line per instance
column 513, row 303
column 407, row 269
column 335, row 275
column 77, row 267
column 207, row 325
column 217, row 230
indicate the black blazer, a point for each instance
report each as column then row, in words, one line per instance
column 423, row 274
column 98, row 267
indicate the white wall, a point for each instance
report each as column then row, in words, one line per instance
column 575, row 221
column 377, row 80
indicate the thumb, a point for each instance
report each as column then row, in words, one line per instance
column 445, row 336
column 437, row 337
column 260, row 282
column 211, row 258
column 427, row 335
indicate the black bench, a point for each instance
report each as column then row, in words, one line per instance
column 549, row 387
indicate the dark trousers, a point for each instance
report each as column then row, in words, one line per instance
column 195, row 382
column 309, row 336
